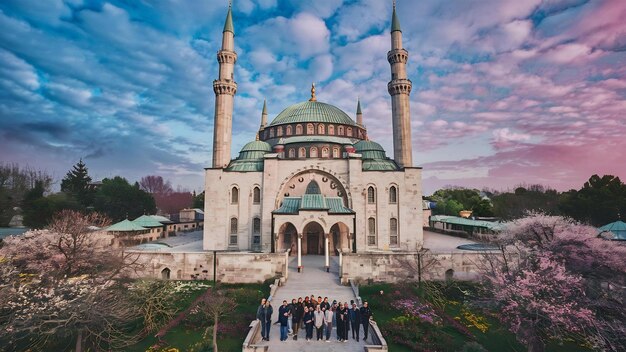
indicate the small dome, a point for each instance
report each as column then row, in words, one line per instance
column 312, row 111
column 362, row 146
column 257, row 146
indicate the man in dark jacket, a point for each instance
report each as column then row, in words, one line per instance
column 355, row 321
column 308, row 319
column 264, row 314
column 366, row 315
column 283, row 317
column 325, row 304
column 297, row 311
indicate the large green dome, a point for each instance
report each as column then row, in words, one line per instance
column 312, row 111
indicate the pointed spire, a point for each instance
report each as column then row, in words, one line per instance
column 359, row 114
column 313, row 98
column 264, row 115
column 228, row 26
column 395, row 22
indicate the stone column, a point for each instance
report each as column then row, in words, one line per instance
column 326, row 249
column 299, row 252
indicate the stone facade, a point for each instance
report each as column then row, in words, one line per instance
column 231, row 267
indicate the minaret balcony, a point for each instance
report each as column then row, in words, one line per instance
column 398, row 56
column 399, row 86
column 226, row 56
column 225, row 87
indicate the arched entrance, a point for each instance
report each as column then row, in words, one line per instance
column 287, row 237
column 165, row 274
column 313, row 239
column 340, row 239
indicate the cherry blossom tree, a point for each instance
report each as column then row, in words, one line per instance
column 65, row 284
column 551, row 281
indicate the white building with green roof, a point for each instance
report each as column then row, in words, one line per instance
column 311, row 180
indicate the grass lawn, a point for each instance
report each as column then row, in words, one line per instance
column 460, row 323
column 233, row 327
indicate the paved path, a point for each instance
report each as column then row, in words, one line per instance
column 440, row 243
column 313, row 280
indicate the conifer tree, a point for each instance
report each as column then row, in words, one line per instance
column 76, row 183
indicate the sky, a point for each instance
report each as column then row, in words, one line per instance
column 505, row 92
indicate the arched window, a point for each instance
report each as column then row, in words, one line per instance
column 313, row 152
column 310, row 129
column 232, row 239
column 302, row 152
column 298, row 129
column 349, row 131
column 340, row 130
column 271, row 133
column 256, row 195
column 393, row 231
column 279, row 131
column 256, row 231
column 234, row 195
column 292, row 153
column 393, row 195
column 325, row 152
column 335, row 152
column 331, row 129
column 289, row 130
column 321, row 129
column 371, row 231
column 371, row 195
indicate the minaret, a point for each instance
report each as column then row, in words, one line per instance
column 359, row 114
column 264, row 115
column 225, row 89
column 400, row 89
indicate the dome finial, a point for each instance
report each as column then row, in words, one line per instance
column 313, row 98
column 257, row 136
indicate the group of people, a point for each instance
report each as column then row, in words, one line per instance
column 310, row 313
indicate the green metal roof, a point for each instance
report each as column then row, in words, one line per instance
column 228, row 26
column 318, row 139
column 257, row 146
column 618, row 228
column 312, row 111
column 147, row 221
column 161, row 219
column 313, row 202
column 335, row 205
column 293, row 205
column 290, row 205
column 456, row 220
column 379, row 165
column 125, row 226
column 395, row 22
column 245, row 165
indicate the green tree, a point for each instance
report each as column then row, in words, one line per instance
column 39, row 209
column 76, row 183
column 198, row 200
column 118, row 199
column 452, row 200
column 600, row 201
column 533, row 198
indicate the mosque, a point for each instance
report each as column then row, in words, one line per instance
column 312, row 182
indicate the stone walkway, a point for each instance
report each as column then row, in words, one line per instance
column 313, row 280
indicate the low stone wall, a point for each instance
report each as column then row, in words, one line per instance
column 379, row 342
column 250, row 344
column 395, row 267
column 232, row 267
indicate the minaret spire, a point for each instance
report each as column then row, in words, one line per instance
column 225, row 89
column 359, row 114
column 264, row 115
column 400, row 90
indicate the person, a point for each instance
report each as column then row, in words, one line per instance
column 325, row 304
column 297, row 312
column 319, row 322
column 260, row 315
column 313, row 302
column 290, row 321
column 346, row 321
column 340, row 323
column 355, row 321
column 283, row 318
column 366, row 315
column 308, row 323
column 267, row 318
column 328, row 319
